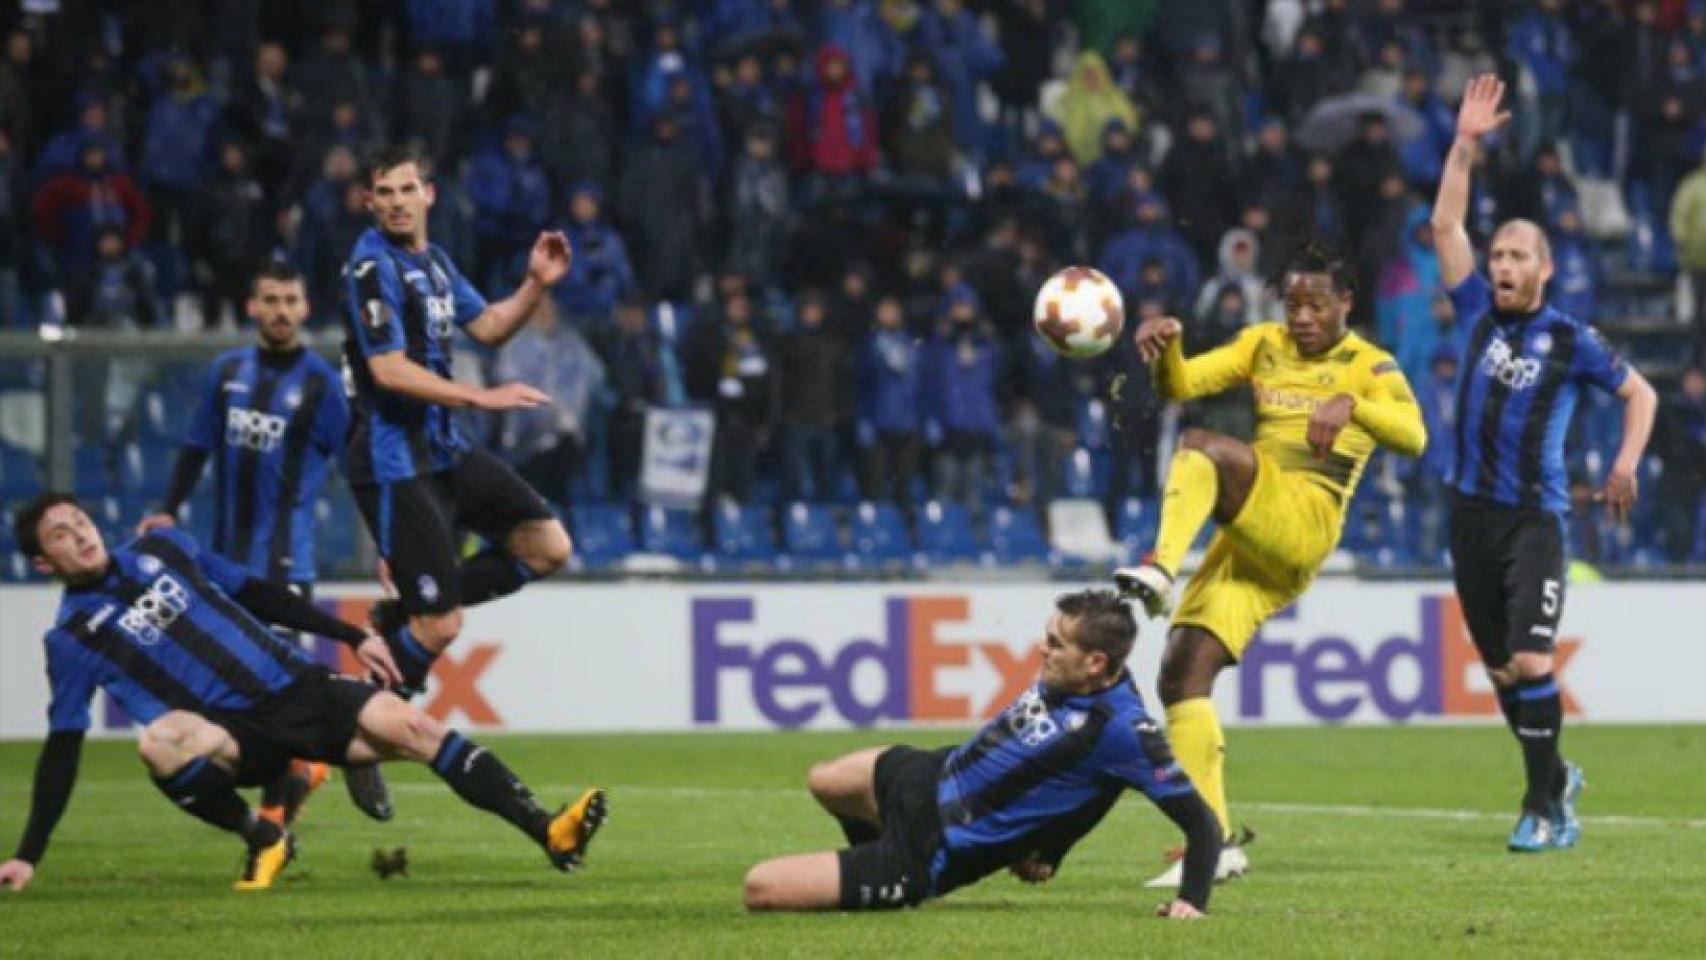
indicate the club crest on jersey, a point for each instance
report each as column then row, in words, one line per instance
column 253, row 430
column 149, row 565
column 293, row 398
column 1542, row 343
column 1500, row 363
column 1029, row 720
column 153, row 613
column 429, row 588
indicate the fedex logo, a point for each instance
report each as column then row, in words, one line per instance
column 1427, row 675
column 791, row 682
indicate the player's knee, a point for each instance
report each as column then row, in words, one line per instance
column 550, row 550
column 166, row 744
column 822, row 780
column 1531, row 666
column 759, row 890
column 1195, row 438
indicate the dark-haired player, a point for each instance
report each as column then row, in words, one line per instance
column 272, row 418
column 417, row 480
column 1523, row 366
column 1036, row 780
column 175, row 634
column 1324, row 399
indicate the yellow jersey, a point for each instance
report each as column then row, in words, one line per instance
column 1289, row 386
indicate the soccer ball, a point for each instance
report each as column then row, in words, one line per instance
column 1079, row 312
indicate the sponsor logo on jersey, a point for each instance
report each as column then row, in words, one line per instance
column 1503, row 365
column 1028, row 719
column 151, row 614
column 253, row 430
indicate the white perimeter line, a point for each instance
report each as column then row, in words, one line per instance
column 1296, row 809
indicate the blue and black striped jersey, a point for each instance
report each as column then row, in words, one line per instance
column 410, row 303
column 272, row 421
column 160, row 632
column 1517, row 386
column 1043, row 774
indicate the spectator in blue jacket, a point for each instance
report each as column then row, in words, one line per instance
column 964, row 420
column 512, row 202
column 1423, row 155
column 965, row 56
column 1430, row 474
column 1404, row 298
column 600, row 274
column 62, row 152
column 1540, row 40
column 177, row 149
column 1152, row 237
column 890, row 390
column 1577, row 272
column 462, row 30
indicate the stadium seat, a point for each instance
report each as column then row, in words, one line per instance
column 1016, row 537
column 878, row 535
column 20, row 473
column 744, row 534
column 90, row 476
column 603, row 535
column 674, row 533
column 945, row 534
column 810, row 536
column 1078, row 531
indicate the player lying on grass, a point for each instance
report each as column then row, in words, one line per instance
column 1324, row 399
column 174, row 633
column 922, row 823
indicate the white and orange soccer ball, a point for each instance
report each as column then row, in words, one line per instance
column 1079, row 312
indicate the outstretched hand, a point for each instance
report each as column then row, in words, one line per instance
column 1479, row 113
column 550, row 258
column 16, row 874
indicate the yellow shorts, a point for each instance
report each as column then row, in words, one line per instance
column 1264, row 559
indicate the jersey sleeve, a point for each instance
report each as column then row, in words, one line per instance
column 470, row 303
column 376, row 297
column 1141, row 758
column 1471, row 298
column 73, row 673
column 1387, row 409
column 1598, row 363
column 204, row 428
column 1219, row 369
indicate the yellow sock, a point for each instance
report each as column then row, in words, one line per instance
column 1186, row 503
column 1194, row 730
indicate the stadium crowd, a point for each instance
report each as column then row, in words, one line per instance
column 825, row 219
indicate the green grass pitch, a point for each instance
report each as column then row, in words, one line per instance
column 1372, row 842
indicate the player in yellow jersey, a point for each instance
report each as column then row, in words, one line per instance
column 1325, row 397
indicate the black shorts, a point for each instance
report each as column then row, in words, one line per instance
column 312, row 719
column 415, row 523
column 1508, row 563
column 894, row 870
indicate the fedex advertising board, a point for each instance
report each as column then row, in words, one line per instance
column 643, row 656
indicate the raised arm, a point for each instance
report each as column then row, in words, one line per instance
column 1478, row 116
column 546, row 264
column 1177, row 378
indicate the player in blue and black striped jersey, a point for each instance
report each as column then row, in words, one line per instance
column 417, row 480
column 1041, row 775
column 175, row 634
column 272, row 418
column 1524, row 364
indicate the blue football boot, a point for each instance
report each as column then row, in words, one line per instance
column 1566, row 826
column 1534, row 833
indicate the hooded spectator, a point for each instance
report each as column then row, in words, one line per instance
column 1404, row 297
column 832, row 130
column 663, row 206
column 600, row 274
column 1090, row 101
column 72, row 207
column 1151, row 238
column 1239, row 256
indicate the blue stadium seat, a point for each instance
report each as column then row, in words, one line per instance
column 151, row 460
column 90, row 476
column 20, row 473
column 671, row 532
column 945, row 533
column 810, row 536
column 603, row 535
column 878, row 535
column 1016, row 537
column 744, row 533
